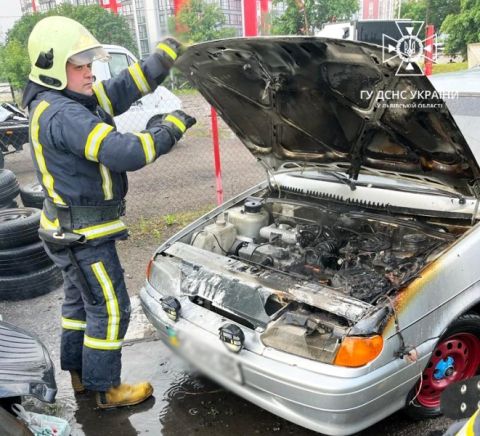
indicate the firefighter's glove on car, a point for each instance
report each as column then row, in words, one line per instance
column 176, row 123
column 169, row 49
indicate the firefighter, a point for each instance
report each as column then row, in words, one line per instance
column 81, row 161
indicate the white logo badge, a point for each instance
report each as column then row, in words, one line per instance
column 409, row 48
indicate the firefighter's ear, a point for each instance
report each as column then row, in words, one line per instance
column 45, row 60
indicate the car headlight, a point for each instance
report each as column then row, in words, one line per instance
column 164, row 275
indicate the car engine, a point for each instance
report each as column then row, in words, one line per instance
column 360, row 253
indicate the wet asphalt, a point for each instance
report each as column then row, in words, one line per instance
column 184, row 402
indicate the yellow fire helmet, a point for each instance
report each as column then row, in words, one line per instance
column 56, row 40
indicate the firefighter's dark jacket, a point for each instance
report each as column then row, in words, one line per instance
column 80, row 158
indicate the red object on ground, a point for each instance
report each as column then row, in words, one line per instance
column 34, row 6
column 216, row 156
column 429, row 49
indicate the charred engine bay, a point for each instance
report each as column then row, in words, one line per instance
column 360, row 253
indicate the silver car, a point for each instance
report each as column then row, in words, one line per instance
column 346, row 286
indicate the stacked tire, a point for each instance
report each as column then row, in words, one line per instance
column 25, row 269
column 9, row 189
column 32, row 195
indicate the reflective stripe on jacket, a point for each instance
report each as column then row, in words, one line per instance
column 79, row 156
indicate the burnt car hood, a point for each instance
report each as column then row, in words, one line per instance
column 317, row 100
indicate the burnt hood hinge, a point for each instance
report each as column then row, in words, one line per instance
column 476, row 192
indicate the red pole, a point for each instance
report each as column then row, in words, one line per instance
column 429, row 49
column 250, row 18
column 216, row 156
column 34, row 6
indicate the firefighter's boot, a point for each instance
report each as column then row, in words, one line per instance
column 124, row 395
column 77, row 384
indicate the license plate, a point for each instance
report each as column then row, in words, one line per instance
column 208, row 359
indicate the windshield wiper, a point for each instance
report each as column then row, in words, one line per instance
column 349, row 182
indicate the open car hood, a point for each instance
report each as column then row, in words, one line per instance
column 309, row 100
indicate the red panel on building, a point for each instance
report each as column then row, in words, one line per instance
column 371, row 9
column 113, row 5
column 250, row 17
column 178, row 5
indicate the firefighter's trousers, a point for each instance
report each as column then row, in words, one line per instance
column 94, row 321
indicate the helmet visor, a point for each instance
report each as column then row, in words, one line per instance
column 88, row 56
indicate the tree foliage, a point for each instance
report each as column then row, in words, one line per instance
column 202, row 21
column 302, row 17
column 430, row 11
column 462, row 28
column 105, row 26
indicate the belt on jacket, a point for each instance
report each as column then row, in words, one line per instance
column 76, row 217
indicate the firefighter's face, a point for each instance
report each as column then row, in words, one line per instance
column 80, row 78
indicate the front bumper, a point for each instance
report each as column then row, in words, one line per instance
column 324, row 398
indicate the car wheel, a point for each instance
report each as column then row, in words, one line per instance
column 153, row 120
column 9, row 187
column 19, row 227
column 21, row 260
column 32, row 195
column 455, row 357
column 30, row 285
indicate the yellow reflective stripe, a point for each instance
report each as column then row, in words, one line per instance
column 102, row 344
column 106, row 182
column 100, row 230
column 177, row 122
column 170, row 52
column 472, row 427
column 47, row 178
column 139, row 78
column 102, row 98
column 110, row 300
column 148, row 146
column 94, row 140
column 73, row 324
column 45, row 223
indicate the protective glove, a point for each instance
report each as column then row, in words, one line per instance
column 169, row 49
column 177, row 122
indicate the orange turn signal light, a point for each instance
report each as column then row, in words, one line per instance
column 149, row 268
column 357, row 351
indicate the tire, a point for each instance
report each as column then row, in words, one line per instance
column 455, row 357
column 30, row 285
column 19, row 227
column 22, row 260
column 32, row 195
column 9, row 187
column 12, row 205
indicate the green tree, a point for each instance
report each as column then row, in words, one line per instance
column 105, row 26
column 302, row 17
column 431, row 11
column 202, row 21
column 462, row 28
